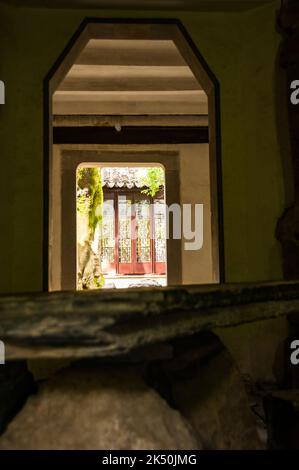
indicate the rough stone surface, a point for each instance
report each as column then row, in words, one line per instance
column 215, row 402
column 88, row 407
column 110, row 324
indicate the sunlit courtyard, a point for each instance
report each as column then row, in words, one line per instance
column 121, row 227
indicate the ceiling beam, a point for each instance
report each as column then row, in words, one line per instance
column 139, row 120
column 129, row 52
column 128, row 78
column 115, row 103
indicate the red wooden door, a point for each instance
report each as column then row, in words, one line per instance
column 135, row 247
column 125, row 233
column 108, row 236
column 134, row 234
column 159, row 236
column 143, row 230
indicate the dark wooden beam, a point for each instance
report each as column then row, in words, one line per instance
column 131, row 135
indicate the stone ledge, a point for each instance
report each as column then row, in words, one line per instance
column 114, row 323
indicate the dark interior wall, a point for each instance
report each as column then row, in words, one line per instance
column 240, row 48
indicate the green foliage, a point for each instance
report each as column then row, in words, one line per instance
column 99, row 281
column 82, row 201
column 153, row 180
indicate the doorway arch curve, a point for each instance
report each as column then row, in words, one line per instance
column 133, row 29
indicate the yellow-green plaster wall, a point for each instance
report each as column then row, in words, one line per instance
column 241, row 49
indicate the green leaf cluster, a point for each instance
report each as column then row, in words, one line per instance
column 153, row 180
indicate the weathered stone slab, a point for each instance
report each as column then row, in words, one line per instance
column 105, row 323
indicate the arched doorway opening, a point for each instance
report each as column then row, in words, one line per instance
column 134, row 92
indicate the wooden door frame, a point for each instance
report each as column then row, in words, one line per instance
column 135, row 261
